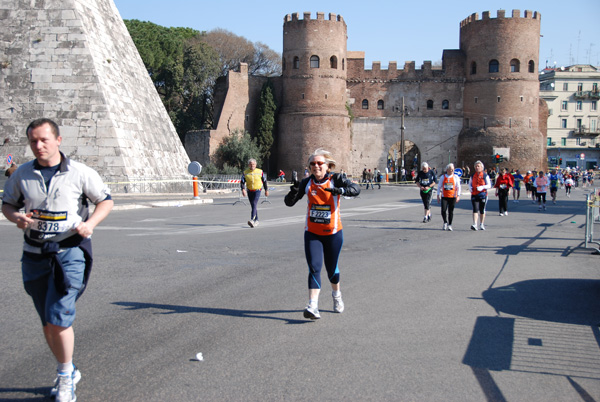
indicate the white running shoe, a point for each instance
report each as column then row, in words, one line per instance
column 65, row 389
column 76, row 377
column 445, row 226
column 338, row 304
column 481, row 227
column 311, row 312
column 473, row 227
column 251, row 223
column 255, row 222
column 450, row 228
column 505, row 213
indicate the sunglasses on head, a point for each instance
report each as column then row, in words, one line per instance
column 317, row 163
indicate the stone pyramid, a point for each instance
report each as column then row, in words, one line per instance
column 73, row 61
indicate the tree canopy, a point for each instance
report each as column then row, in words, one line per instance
column 236, row 149
column 184, row 65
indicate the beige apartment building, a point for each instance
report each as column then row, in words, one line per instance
column 573, row 123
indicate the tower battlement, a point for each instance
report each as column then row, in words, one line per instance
column 500, row 15
column 290, row 18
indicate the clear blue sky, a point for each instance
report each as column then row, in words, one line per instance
column 386, row 30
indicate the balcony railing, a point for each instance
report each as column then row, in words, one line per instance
column 576, row 143
column 583, row 130
column 594, row 95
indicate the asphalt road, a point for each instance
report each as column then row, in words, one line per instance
column 509, row 314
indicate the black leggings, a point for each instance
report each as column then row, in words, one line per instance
column 503, row 200
column 253, row 197
column 448, row 205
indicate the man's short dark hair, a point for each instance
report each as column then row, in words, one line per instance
column 40, row 122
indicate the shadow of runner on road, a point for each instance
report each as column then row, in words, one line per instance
column 171, row 309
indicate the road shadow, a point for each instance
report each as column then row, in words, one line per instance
column 43, row 394
column 537, row 341
column 569, row 301
column 173, row 309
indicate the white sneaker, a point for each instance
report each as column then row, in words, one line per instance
column 481, row 227
column 76, row 377
column 338, row 304
column 473, row 227
column 445, row 226
column 450, row 228
column 255, row 222
column 65, row 389
column 505, row 213
column 311, row 312
column 251, row 223
column 500, row 214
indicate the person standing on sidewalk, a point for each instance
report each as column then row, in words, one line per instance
column 426, row 181
column 254, row 180
column 478, row 186
column 53, row 191
column 449, row 190
column 504, row 182
column 323, row 236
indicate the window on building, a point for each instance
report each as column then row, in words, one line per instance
column 564, row 105
column 343, row 64
column 580, row 87
column 333, row 62
column 566, row 86
column 531, row 66
column 579, row 124
column 379, row 104
column 498, row 99
column 563, row 141
column 429, row 104
column 296, row 63
column 445, row 104
column 473, row 68
column 549, row 141
column 475, row 99
column 592, row 125
column 365, row 104
column 515, row 66
column 579, row 105
column 494, row 66
column 314, row 61
column 594, row 106
column 563, row 123
column 522, row 99
column 595, row 87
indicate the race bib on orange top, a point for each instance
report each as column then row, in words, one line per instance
column 323, row 216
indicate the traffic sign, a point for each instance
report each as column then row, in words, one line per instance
column 9, row 159
column 194, row 168
column 458, row 172
column 582, row 156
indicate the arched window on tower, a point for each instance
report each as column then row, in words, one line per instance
column 429, row 104
column 343, row 64
column 531, row 66
column 365, row 104
column 296, row 63
column 473, row 68
column 333, row 62
column 494, row 66
column 445, row 104
column 515, row 66
column 380, row 105
column 314, row 61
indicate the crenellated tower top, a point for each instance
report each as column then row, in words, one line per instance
column 501, row 14
column 307, row 17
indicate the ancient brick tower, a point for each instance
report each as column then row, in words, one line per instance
column 501, row 93
column 313, row 109
column 73, row 61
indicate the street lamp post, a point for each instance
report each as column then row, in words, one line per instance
column 402, row 138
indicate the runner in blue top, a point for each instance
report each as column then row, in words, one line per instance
column 553, row 177
column 518, row 177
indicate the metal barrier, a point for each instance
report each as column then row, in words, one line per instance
column 592, row 216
